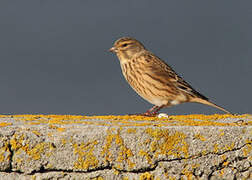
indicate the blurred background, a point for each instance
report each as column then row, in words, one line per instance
column 54, row 57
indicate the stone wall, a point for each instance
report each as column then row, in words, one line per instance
column 125, row 147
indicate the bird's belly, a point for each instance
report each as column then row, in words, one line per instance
column 148, row 96
column 158, row 101
column 165, row 100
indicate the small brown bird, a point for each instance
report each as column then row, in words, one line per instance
column 153, row 79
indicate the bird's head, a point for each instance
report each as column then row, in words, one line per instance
column 126, row 48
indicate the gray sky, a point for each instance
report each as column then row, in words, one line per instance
column 54, row 57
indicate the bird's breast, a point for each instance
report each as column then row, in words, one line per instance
column 137, row 80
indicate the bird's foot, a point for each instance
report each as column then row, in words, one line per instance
column 149, row 114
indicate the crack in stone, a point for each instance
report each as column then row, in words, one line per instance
column 149, row 169
column 232, row 150
column 140, row 170
column 11, row 156
column 43, row 170
column 221, row 166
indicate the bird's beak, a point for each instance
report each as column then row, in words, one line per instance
column 113, row 49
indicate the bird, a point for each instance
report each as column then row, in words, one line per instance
column 153, row 79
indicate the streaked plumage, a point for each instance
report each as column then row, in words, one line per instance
column 152, row 78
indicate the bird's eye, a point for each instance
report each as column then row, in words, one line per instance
column 124, row 45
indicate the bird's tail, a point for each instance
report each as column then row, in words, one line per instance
column 206, row 102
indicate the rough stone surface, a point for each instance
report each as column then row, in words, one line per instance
column 125, row 147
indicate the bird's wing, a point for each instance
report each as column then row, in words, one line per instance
column 160, row 69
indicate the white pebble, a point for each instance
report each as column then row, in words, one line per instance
column 163, row 115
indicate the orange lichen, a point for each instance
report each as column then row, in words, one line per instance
column 61, row 129
column 3, row 124
column 126, row 120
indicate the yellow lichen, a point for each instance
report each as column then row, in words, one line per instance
column 170, row 177
column 51, row 126
column 51, row 150
column 216, row 148
column 221, row 132
column 131, row 130
column 36, row 132
column 3, row 150
column 168, row 143
column 229, row 147
column 63, row 141
column 146, row 155
column 49, row 166
column 126, row 120
column 221, row 172
column 86, row 157
column 204, row 152
column 248, row 148
column 50, row 134
column 61, row 129
column 18, row 144
column 116, row 172
column 200, row 137
column 124, row 153
column 36, row 151
column 224, row 157
column 226, row 163
column 146, row 176
column 19, row 160
column 188, row 173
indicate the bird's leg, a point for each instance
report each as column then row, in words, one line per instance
column 153, row 111
column 157, row 109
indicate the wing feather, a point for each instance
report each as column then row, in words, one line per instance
column 167, row 75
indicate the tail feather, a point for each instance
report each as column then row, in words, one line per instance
column 206, row 102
